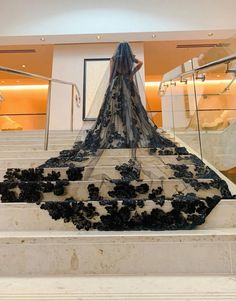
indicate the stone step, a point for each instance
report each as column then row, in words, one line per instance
column 34, row 153
column 150, row 170
column 38, row 136
column 57, row 253
column 33, row 147
column 28, row 154
column 36, row 141
column 79, row 189
column 29, row 217
column 124, row 152
column 144, row 160
column 152, row 166
column 21, row 162
column 96, row 160
column 120, row 288
column 40, row 133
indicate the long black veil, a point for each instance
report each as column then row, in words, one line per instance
column 122, row 121
column 122, row 62
column 106, row 186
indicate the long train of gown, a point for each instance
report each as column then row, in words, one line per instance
column 122, row 203
column 123, row 122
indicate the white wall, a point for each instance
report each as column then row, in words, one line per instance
column 68, row 63
column 57, row 17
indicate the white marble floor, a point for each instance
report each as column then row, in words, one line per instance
column 124, row 288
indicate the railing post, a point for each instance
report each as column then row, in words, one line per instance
column 48, row 116
column 197, row 115
column 72, row 109
column 172, row 111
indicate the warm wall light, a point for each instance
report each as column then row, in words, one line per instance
column 210, row 34
column 213, row 81
column 152, row 84
column 98, row 37
column 154, row 36
column 24, row 87
column 210, row 81
column 42, row 39
column 23, row 66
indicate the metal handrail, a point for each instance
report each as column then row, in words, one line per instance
column 225, row 60
column 196, row 73
column 23, row 114
column 50, row 81
column 33, row 75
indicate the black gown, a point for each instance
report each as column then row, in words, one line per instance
column 122, row 202
column 123, row 121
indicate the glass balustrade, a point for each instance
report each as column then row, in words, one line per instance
column 199, row 106
column 25, row 104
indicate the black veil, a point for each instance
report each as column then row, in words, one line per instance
column 118, row 201
column 123, row 121
column 122, row 61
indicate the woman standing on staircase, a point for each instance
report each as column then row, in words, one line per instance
column 122, row 121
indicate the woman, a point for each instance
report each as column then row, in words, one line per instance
column 122, row 121
column 109, row 200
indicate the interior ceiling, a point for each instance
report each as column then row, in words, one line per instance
column 160, row 57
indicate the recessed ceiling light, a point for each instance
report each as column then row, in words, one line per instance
column 23, row 66
column 154, row 36
column 217, row 75
column 17, row 81
column 210, row 34
column 98, row 37
column 42, row 39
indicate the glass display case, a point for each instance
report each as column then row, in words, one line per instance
column 199, row 106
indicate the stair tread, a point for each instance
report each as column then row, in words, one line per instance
column 141, row 234
column 168, row 287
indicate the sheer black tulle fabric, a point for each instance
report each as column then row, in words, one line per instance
column 123, row 122
column 120, row 204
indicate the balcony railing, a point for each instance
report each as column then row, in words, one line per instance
column 75, row 95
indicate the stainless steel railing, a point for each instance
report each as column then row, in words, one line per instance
column 50, row 80
column 182, row 76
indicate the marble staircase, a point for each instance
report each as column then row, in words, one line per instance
column 43, row 259
column 125, row 288
column 24, row 149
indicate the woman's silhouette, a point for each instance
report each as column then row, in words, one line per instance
column 122, row 121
